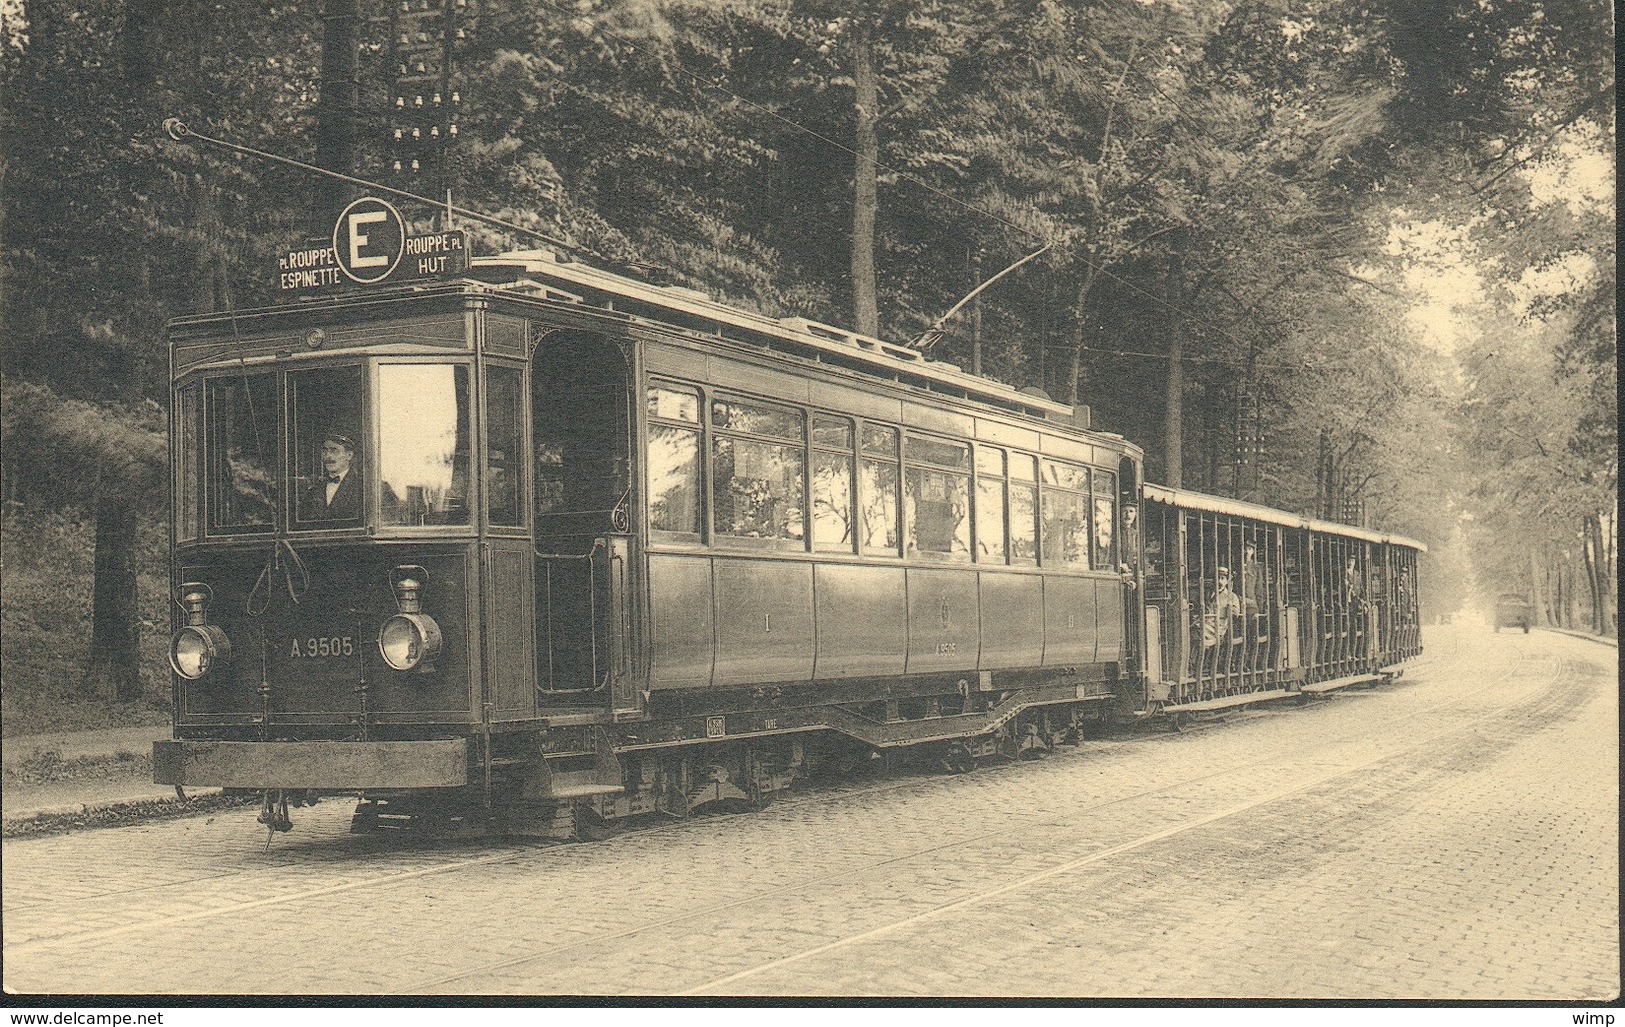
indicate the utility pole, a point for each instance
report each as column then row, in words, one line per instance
column 337, row 107
column 428, row 97
column 866, row 110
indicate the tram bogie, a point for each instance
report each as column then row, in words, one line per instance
column 575, row 549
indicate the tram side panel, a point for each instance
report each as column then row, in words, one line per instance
column 727, row 611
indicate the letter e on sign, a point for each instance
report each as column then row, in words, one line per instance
column 368, row 240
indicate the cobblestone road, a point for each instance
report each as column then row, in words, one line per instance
column 1453, row 835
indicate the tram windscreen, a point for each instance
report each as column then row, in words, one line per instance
column 243, row 437
column 326, row 406
column 423, row 443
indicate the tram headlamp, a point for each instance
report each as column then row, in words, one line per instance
column 198, row 647
column 410, row 639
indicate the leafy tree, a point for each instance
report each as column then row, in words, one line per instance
column 110, row 230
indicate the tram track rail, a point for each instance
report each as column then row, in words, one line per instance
column 1072, row 866
column 839, row 792
column 820, row 790
column 1143, row 841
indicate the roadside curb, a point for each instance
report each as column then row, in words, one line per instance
column 1612, row 643
column 127, row 804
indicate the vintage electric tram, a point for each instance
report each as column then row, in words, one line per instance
column 547, row 545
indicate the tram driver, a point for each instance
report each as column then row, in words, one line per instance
column 336, row 496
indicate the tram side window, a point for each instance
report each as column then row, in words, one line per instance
column 832, row 524
column 1023, row 509
column 877, row 491
column 1102, row 553
column 423, row 443
column 243, row 428
column 990, row 496
column 186, row 464
column 1066, row 515
column 505, row 419
column 758, row 479
column 328, row 473
column 674, row 461
column 936, row 498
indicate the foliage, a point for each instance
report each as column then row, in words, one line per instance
column 1219, row 187
column 66, row 452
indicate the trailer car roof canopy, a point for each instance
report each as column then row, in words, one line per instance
column 1236, row 508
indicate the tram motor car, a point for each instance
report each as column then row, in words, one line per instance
column 549, row 547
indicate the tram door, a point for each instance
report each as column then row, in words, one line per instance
column 581, row 413
column 1135, row 655
column 1161, row 542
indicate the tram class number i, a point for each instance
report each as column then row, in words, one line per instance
column 520, row 543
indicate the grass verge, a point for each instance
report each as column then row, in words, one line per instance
column 47, row 559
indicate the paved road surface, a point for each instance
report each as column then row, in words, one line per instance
column 1453, row 835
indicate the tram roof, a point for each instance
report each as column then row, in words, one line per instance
column 596, row 286
column 1236, row 508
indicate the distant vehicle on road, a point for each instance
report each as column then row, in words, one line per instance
column 1512, row 610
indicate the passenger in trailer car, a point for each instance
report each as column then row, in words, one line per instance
column 337, row 496
column 1252, row 582
column 1252, row 599
column 1225, row 608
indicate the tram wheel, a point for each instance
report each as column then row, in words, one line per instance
column 1179, row 722
column 957, row 760
column 590, row 827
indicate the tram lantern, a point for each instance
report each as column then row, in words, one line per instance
column 411, row 639
column 199, row 646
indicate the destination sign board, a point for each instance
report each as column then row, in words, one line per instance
column 371, row 245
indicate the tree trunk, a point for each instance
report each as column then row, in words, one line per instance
column 1213, row 432
column 1320, row 473
column 141, row 43
column 336, row 144
column 976, row 315
column 1537, row 602
column 1173, row 415
column 1560, row 596
column 113, row 664
column 1598, row 559
column 115, row 635
column 865, row 305
column 1080, row 307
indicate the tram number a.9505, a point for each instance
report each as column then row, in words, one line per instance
column 317, row 647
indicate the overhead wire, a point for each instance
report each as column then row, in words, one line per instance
column 1101, row 270
column 678, row 69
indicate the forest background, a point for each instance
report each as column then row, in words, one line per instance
column 1352, row 259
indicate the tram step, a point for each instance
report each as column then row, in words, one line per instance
column 1226, row 701
column 583, row 791
column 1333, row 685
